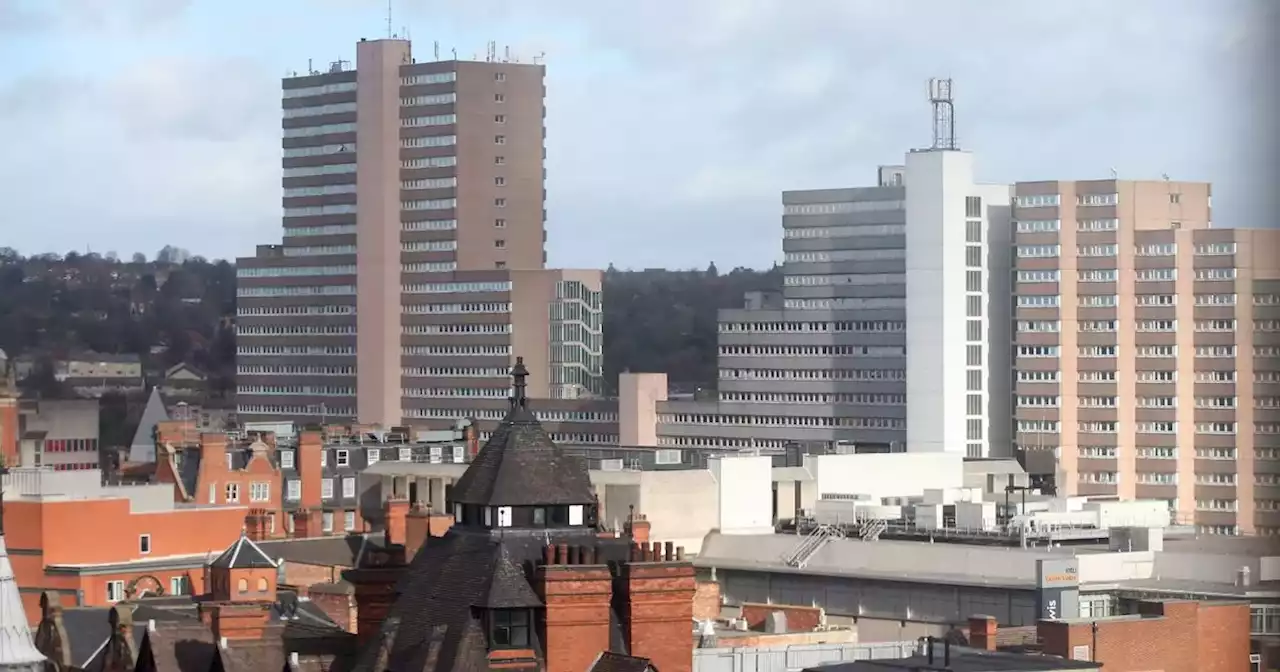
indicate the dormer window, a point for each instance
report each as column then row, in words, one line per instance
column 509, row 629
column 504, row 516
column 575, row 514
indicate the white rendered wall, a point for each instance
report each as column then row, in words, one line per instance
column 745, row 489
column 880, row 475
column 997, row 320
column 937, row 184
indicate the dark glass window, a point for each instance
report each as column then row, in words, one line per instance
column 540, row 517
column 510, row 628
column 559, row 516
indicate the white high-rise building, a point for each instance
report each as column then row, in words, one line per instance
column 892, row 330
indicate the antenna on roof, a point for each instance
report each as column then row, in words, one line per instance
column 389, row 33
column 944, row 123
column 436, row 47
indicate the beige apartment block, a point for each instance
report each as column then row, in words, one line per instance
column 411, row 271
column 1147, row 349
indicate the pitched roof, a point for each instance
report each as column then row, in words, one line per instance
column 609, row 661
column 143, row 447
column 244, row 554
column 508, row 586
column 520, row 465
column 184, row 648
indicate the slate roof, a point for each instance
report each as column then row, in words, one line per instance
column 618, row 662
column 342, row 551
column 435, row 623
column 244, row 554
column 184, row 648
column 520, row 465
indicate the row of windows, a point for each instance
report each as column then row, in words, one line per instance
column 295, row 271
column 1111, row 250
column 429, row 120
column 294, row 350
column 320, row 90
column 1049, row 401
column 317, row 251
column 779, row 421
column 327, row 169
column 295, row 370
column 811, row 351
column 813, row 374
column 456, row 350
column 1143, row 376
column 310, row 390
column 429, row 162
column 867, row 399
column 455, row 371
column 842, row 208
column 1111, row 300
column 1113, row 427
column 315, row 210
column 432, row 99
column 843, row 304
column 319, row 150
column 866, row 326
column 296, row 330
column 429, row 246
column 432, row 183
column 456, row 287
column 317, row 290
column 318, row 110
column 326, row 190
column 461, row 308
column 323, row 129
column 431, row 78
column 845, row 231
column 429, row 141
column 1113, row 275
column 826, row 256
column 430, row 267
column 498, row 414
column 252, row 311
column 430, row 204
column 843, row 279
column 310, row 410
column 430, row 225
column 481, row 329
column 326, row 230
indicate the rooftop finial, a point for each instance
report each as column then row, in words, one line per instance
column 518, row 376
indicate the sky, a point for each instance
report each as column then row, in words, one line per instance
column 673, row 125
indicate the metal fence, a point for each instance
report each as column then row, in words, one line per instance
column 795, row 658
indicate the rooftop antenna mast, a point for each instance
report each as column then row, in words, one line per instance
column 944, row 114
column 390, row 33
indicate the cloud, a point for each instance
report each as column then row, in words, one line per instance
column 672, row 126
column 35, row 17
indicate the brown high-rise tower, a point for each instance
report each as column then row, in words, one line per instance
column 412, row 262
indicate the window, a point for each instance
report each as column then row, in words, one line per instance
column 260, row 492
column 324, row 457
column 1175, row 198
column 344, row 458
column 233, row 492
column 499, row 181
column 115, row 591
column 499, row 76
column 349, row 520
column 972, row 206
column 973, row 281
column 372, row 455
column 499, row 202
column 575, row 514
column 326, row 488
column 504, row 516
column 286, row 459
column 179, row 585
column 499, row 98
column 293, row 490
column 1038, row 201
column 405, row 455
column 230, row 459
column 973, row 231
column 510, row 628
column 500, row 244
column 500, row 119
column 348, row 487
column 500, row 223
column 499, row 160
column 499, row 139
column 144, row 543
column 326, row 521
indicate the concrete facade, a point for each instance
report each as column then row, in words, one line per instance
column 871, row 273
column 400, row 297
column 1147, row 349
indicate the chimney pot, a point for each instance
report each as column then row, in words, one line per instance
column 679, row 553
column 636, row 554
column 562, row 554
column 549, row 554
column 655, row 551
column 589, row 557
column 669, row 551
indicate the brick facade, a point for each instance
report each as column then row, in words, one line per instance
column 1171, row 636
column 799, row 619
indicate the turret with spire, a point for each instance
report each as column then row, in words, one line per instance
column 17, row 650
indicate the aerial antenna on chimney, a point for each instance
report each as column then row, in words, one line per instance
column 944, row 121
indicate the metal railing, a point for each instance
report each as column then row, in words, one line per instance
column 811, row 544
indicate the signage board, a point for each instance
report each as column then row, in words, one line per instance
column 1058, row 588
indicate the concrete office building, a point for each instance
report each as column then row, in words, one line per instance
column 1148, row 350
column 412, row 262
column 916, row 264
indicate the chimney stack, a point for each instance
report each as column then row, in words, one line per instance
column 656, row 591
column 636, row 526
column 305, row 524
column 395, row 518
column 578, row 595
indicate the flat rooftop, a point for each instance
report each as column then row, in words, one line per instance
column 963, row 660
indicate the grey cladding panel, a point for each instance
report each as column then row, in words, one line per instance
column 810, row 196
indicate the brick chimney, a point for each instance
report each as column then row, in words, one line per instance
column 982, row 632
column 306, row 524
column 310, row 448
column 257, row 524
column 374, row 584
column 637, row 527
column 395, row 512
column 236, row 620
column 655, row 593
column 417, row 530
column 577, row 588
